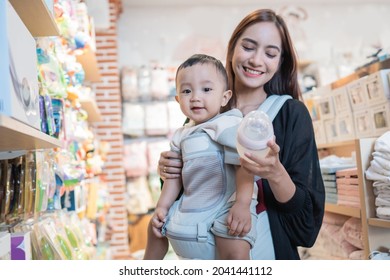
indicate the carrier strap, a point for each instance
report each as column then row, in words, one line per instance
column 272, row 105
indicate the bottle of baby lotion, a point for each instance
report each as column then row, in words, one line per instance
column 254, row 131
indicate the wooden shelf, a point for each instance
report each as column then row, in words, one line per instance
column 89, row 62
column 304, row 63
column 336, row 144
column 17, row 136
column 92, row 109
column 361, row 72
column 37, row 17
column 379, row 223
column 342, row 210
column 342, row 149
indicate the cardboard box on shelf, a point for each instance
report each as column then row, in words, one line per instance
column 19, row 92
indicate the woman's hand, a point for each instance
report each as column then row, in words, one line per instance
column 169, row 165
column 272, row 169
column 267, row 167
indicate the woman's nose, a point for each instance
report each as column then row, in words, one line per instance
column 256, row 59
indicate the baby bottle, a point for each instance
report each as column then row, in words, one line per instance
column 254, row 131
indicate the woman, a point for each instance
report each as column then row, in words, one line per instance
column 261, row 61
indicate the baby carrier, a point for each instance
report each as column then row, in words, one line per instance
column 191, row 217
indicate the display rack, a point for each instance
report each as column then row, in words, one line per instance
column 363, row 71
column 16, row 135
column 89, row 62
column 92, row 109
column 375, row 231
column 342, row 149
column 342, row 210
column 36, row 16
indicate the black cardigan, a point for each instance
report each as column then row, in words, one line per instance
column 298, row 221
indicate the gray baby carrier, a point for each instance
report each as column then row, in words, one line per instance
column 191, row 217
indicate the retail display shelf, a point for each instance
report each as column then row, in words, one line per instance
column 336, row 144
column 342, row 149
column 361, row 72
column 88, row 60
column 342, row 210
column 92, row 109
column 304, row 63
column 16, row 136
column 379, row 222
column 37, row 17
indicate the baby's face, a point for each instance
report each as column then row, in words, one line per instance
column 200, row 92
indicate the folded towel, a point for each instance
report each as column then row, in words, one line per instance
column 347, row 181
column 382, row 144
column 349, row 198
column 329, row 177
column 372, row 175
column 381, row 185
column 330, row 184
column 330, row 189
column 385, row 156
column 376, row 167
column 383, row 212
column 382, row 202
column 385, row 163
column 347, row 172
column 381, row 193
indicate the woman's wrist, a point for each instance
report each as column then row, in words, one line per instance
column 281, row 184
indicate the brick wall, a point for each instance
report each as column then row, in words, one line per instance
column 108, row 97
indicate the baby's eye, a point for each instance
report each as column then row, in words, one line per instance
column 186, row 91
column 208, row 89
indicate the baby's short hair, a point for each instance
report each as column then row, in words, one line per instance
column 204, row 58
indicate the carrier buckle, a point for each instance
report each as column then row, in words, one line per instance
column 202, row 233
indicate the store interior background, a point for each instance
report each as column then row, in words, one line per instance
column 129, row 68
column 336, row 36
column 332, row 39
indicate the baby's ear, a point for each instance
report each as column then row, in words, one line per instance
column 177, row 98
column 226, row 97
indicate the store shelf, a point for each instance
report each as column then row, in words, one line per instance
column 36, row 16
column 342, row 210
column 16, row 136
column 361, row 72
column 88, row 60
column 379, row 223
column 342, row 149
column 336, row 144
column 92, row 109
column 302, row 64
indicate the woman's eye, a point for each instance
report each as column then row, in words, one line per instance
column 247, row 48
column 271, row 55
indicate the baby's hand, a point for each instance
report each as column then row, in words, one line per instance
column 239, row 220
column 158, row 220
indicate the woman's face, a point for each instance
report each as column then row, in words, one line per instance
column 257, row 55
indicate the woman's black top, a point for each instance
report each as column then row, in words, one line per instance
column 298, row 221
